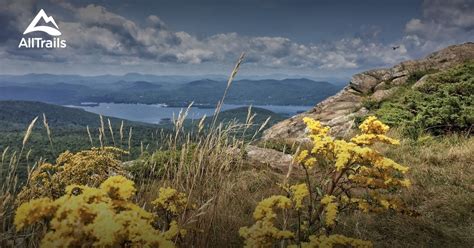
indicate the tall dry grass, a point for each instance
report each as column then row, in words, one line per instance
column 209, row 169
column 10, row 186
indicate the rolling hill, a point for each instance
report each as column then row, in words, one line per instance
column 16, row 115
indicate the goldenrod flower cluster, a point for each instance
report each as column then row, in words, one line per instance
column 353, row 164
column 298, row 193
column 171, row 201
column 99, row 217
column 89, row 167
column 264, row 232
column 334, row 240
column 355, row 160
column 331, row 209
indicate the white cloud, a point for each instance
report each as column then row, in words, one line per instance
column 443, row 23
column 98, row 36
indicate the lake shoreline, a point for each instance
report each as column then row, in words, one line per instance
column 156, row 113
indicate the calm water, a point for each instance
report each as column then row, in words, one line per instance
column 157, row 112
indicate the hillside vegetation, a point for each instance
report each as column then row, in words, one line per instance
column 440, row 103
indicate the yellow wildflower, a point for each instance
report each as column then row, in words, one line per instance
column 315, row 127
column 33, row 211
column 89, row 167
column 171, row 201
column 95, row 217
column 335, row 240
column 385, row 203
column 263, row 233
column 174, row 231
column 119, row 186
column 330, row 210
column 369, row 139
column 355, row 164
column 265, row 208
column 299, row 192
column 373, row 126
column 301, row 156
column 405, row 183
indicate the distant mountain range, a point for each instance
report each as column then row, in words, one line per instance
column 131, row 77
column 151, row 89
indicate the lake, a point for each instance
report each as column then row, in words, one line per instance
column 154, row 113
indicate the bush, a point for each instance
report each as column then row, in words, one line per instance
column 102, row 217
column 444, row 104
column 417, row 75
column 89, row 167
column 357, row 177
column 370, row 104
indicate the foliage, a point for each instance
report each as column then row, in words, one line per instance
column 370, row 103
column 103, row 217
column 283, row 145
column 358, row 178
column 89, row 167
column 417, row 75
column 153, row 166
column 443, row 104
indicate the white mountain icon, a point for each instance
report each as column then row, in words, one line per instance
column 47, row 19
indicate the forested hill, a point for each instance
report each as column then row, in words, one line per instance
column 16, row 115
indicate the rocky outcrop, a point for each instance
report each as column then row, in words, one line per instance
column 421, row 81
column 339, row 111
column 277, row 161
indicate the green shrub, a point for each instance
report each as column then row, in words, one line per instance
column 417, row 75
column 444, row 104
column 370, row 104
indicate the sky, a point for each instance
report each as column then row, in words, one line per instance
column 318, row 38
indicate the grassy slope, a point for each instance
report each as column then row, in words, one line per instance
column 443, row 193
column 441, row 166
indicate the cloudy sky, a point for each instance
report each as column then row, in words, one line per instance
column 318, row 38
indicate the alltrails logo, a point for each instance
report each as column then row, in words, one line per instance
column 39, row 42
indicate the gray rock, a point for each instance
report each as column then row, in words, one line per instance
column 399, row 81
column 381, row 95
column 381, row 86
column 276, row 160
column 363, row 82
column 421, row 81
